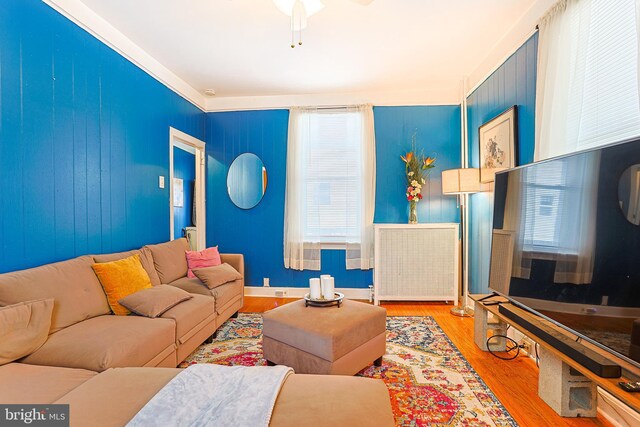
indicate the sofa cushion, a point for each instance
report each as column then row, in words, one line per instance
column 114, row 397
column 209, row 257
column 227, row 294
column 120, row 279
column 72, row 284
column 170, row 260
column 188, row 315
column 154, row 301
column 146, row 258
column 105, row 342
column 24, row 327
column 234, row 260
column 193, row 286
column 361, row 401
column 213, row 277
column 32, row 384
column 224, row 295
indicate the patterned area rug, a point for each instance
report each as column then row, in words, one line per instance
column 430, row 383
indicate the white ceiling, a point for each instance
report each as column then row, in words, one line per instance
column 241, row 48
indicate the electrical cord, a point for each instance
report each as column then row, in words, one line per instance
column 508, row 349
column 537, row 356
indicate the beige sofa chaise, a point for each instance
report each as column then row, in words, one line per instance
column 107, row 367
column 112, row 398
column 85, row 334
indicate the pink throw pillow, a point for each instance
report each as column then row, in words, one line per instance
column 209, row 257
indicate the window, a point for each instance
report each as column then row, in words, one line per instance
column 606, row 109
column 332, row 173
column 587, row 79
column 331, row 186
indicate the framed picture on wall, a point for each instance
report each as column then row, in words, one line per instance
column 497, row 139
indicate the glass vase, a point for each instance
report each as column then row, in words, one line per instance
column 413, row 212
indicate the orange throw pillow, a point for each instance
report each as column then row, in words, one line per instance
column 120, row 279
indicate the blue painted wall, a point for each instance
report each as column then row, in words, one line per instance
column 437, row 131
column 84, row 135
column 258, row 232
column 514, row 83
column 184, row 167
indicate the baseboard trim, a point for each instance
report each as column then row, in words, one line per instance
column 270, row 291
column 616, row 412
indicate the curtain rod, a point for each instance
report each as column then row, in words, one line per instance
column 330, row 107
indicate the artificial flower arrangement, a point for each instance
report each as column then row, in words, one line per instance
column 417, row 167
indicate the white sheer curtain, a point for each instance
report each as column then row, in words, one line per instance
column 587, row 78
column 330, row 187
column 298, row 254
column 360, row 253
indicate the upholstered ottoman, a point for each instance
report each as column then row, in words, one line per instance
column 325, row 340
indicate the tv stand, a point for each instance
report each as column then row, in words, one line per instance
column 565, row 384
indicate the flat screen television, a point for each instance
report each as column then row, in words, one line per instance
column 566, row 244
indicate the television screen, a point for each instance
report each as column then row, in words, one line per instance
column 566, row 243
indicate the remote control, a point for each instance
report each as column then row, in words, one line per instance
column 630, row 387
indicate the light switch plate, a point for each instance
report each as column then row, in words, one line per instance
column 161, row 181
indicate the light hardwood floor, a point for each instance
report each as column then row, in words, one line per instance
column 514, row 382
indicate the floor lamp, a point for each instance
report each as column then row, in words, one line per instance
column 462, row 182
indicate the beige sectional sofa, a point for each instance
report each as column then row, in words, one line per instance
column 107, row 367
column 112, row 398
column 85, row 334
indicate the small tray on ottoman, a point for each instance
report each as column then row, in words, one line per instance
column 337, row 299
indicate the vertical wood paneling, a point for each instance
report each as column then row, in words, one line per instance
column 63, row 153
column 437, row 131
column 265, row 134
column 11, row 170
column 84, row 135
column 80, row 160
column 514, row 83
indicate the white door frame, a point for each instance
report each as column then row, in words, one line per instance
column 184, row 141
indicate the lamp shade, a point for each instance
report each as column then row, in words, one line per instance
column 461, row 181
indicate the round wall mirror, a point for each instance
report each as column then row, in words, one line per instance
column 629, row 194
column 246, row 181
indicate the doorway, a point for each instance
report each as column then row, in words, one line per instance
column 187, row 204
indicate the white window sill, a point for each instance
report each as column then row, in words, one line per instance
column 334, row 246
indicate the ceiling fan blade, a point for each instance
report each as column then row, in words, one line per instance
column 363, row 2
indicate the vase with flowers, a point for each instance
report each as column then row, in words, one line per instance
column 417, row 168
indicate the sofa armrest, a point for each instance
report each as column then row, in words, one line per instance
column 234, row 260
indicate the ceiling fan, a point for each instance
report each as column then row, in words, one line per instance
column 300, row 11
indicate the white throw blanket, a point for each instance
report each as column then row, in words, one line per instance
column 213, row 395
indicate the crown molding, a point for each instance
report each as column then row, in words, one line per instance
column 84, row 17
column 94, row 24
column 521, row 31
column 440, row 96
